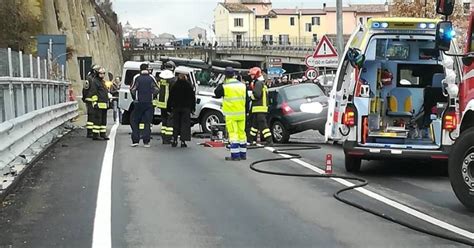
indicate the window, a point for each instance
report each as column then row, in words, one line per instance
column 284, row 39
column 129, row 76
column 417, row 75
column 238, row 22
column 309, row 27
column 267, row 40
column 467, row 7
column 316, row 20
column 315, row 37
column 267, row 24
column 361, row 20
column 292, row 21
column 302, row 91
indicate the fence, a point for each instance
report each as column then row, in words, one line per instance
column 28, row 84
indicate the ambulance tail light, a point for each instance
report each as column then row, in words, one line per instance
column 450, row 121
column 349, row 118
column 286, row 108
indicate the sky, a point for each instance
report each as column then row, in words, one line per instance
column 178, row 16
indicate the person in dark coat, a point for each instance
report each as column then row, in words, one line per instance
column 182, row 102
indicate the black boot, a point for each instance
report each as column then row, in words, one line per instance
column 174, row 143
column 89, row 133
column 95, row 136
column 166, row 140
column 104, row 136
column 269, row 141
column 183, row 144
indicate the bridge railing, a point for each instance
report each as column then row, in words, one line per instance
column 34, row 100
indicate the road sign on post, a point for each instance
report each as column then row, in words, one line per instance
column 311, row 73
column 325, row 55
column 275, row 67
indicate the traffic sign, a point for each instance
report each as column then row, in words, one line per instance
column 311, row 73
column 275, row 72
column 324, row 55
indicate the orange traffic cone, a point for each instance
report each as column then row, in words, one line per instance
column 328, row 164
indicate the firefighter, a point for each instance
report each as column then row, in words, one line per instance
column 100, row 103
column 143, row 89
column 88, row 100
column 259, row 110
column 233, row 105
column 167, row 77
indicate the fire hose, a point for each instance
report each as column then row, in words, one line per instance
column 288, row 151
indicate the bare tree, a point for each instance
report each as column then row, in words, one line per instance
column 427, row 9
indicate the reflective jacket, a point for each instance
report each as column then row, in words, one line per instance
column 260, row 97
column 86, row 88
column 99, row 93
column 233, row 104
column 163, row 96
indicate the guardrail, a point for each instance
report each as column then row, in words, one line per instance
column 31, row 103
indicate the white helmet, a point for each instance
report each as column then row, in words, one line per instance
column 166, row 74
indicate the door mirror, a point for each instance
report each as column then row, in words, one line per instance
column 468, row 59
column 444, row 35
column 445, row 7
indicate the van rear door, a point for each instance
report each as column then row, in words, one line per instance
column 342, row 88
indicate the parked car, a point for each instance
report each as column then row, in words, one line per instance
column 208, row 109
column 296, row 108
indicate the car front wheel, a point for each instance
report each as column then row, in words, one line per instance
column 210, row 118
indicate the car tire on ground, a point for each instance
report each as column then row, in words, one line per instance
column 321, row 131
column 280, row 133
column 462, row 152
column 352, row 164
column 209, row 118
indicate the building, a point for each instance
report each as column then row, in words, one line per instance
column 234, row 23
column 197, row 34
column 255, row 22
column 164, row 38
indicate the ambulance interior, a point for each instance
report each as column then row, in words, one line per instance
column 403, row 80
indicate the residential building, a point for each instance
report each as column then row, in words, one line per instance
column 164, row 38
column 254, row 22
column 234, row 23
column 197, row 34
column 365, row 12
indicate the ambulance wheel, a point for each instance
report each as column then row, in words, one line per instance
column 352, row 164
column 209, row 118
column 461, row 168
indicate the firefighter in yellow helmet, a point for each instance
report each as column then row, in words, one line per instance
column 234, row 93
column 259, row 111
column 100, row 103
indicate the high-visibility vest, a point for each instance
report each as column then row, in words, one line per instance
column 233, row 104
column 164, row 94
column 261, row 105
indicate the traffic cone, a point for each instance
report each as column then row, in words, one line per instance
column 328, row 164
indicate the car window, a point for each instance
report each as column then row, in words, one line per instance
column 129, row 76
column 302, row 91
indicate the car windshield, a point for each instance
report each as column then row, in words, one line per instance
column 302, row 91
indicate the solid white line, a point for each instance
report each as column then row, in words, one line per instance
column 392, row 203
column 102, row 236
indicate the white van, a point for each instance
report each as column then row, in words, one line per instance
column 395, row 105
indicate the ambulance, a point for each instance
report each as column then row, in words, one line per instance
column 394, row 94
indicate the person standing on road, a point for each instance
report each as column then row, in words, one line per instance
column 166, row 81
column 86, row 95
column 100, row 103
column 182, row 102
column 234, row 93
column 114, row 91
column 259, row 108
column 143, row 88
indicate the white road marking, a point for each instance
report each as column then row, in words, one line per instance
column 102, row 236
column 392, row 203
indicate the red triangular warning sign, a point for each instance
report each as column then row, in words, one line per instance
column 324, row 49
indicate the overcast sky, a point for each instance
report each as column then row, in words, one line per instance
column 178, row 16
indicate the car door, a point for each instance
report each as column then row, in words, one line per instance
column 342, row 88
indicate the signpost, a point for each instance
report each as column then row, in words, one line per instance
column 324, row 55
column 274, row 67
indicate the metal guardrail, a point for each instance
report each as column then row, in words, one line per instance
column 20, row 133
column 33, row 101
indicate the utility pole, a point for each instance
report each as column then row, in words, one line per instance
column 339, row 29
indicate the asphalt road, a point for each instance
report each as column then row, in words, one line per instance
column 191, row 197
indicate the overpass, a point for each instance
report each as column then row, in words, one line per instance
column 291, row 55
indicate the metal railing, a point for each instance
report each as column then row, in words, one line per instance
column 28, row 84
